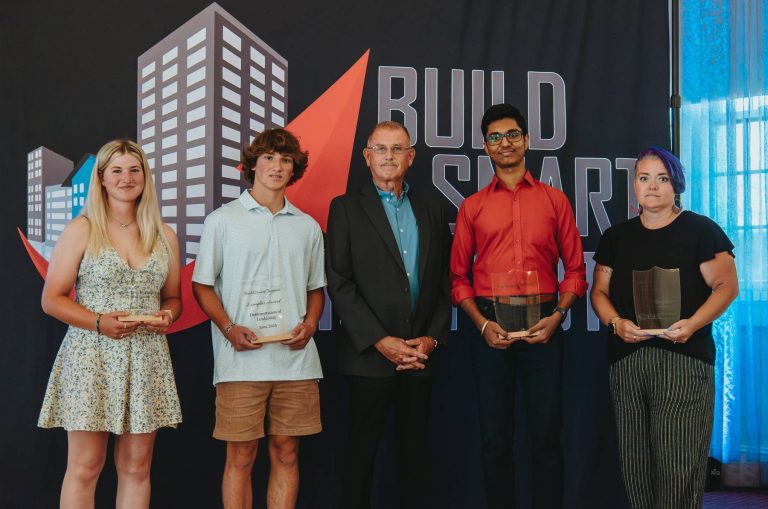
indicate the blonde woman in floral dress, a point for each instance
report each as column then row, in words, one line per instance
column 112, row 376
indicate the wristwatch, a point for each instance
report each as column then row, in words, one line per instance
column 563, row 313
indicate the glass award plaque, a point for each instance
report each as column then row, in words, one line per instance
column 265, row 299
column 656, row 295
column 137, row 312
column 516, row 301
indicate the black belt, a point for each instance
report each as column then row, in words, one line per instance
column 547, row 304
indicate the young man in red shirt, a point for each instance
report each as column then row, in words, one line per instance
column 517, row 225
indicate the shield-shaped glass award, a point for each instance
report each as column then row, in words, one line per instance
column 516, row 301
column 656, row 294
column 265, row 299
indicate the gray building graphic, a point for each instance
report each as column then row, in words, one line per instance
column 58, row 212
column 45, row 168
column 203, row 93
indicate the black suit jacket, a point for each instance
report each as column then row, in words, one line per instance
column 368, row 284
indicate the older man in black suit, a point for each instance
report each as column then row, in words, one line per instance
column 387, row 267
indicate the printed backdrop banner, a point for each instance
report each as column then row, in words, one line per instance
column 194, row 81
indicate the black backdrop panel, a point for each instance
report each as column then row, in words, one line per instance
column 69, row 83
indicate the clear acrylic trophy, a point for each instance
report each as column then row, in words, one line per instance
column 516, row 301
column 136, row 309
column 264, row 301
column 656, row 294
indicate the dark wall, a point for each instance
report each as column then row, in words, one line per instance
column 68, row 82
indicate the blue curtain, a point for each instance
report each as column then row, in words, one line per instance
column 724, row 134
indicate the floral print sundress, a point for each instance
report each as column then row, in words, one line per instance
column 103, row 384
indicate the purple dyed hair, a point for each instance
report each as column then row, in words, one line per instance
column 671, row 163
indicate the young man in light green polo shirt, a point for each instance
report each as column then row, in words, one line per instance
column 259, row 276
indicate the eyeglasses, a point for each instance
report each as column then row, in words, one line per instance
column 511, row 136
column 381, row 150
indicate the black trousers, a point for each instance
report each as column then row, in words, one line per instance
column 370, row 400
column 537, row 369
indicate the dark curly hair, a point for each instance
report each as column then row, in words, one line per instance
column 274, row 140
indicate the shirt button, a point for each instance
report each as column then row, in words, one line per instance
column 405, row 252
column 408, row 274
column 519, row 262
column 401, row 230
column 405, row 289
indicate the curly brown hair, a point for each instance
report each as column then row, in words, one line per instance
column 274, row 140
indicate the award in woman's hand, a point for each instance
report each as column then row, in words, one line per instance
column 265, row 309
column 136, row 311
column 656, row 294
column 516, row 301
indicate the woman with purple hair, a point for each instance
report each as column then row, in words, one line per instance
column 662, row 361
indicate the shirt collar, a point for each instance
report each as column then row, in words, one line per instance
column 249, row 204
column 388, row 194
column 498, row 184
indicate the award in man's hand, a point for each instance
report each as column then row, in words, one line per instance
column 516, row 301
column 265, row 316
column 656, row 294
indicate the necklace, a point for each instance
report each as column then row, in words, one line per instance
column 123, row 225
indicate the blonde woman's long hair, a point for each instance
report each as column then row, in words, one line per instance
column 148, row 218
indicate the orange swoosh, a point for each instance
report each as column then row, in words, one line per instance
column 327, row 129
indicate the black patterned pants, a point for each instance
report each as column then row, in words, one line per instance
column 664, row 404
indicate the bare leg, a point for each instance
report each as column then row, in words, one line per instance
column 86, row 452
column 283, row 485
column 236, row 490
column 133, row 459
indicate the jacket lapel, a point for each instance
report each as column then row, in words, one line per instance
column 371, row 204
column 422, row 221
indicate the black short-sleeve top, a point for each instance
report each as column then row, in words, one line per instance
column 687, row 242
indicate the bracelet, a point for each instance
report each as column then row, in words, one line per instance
column 433, row 339
column 98, row 323
column 613, row 321
column 228, row 328
column 482, row 329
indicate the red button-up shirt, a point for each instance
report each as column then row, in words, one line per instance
column 528, row 228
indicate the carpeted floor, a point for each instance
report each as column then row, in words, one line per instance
column 736, row 500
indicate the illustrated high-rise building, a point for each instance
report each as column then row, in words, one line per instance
column 204, row 91
column 45, row 168
column 58, row 212
column 79, row 180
